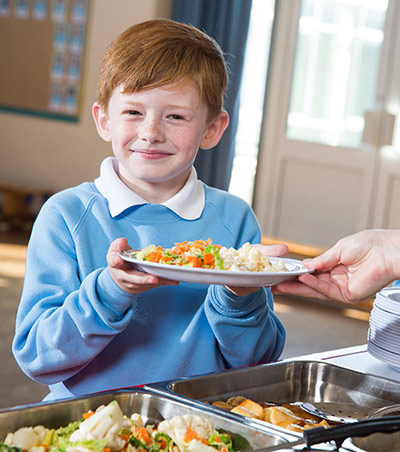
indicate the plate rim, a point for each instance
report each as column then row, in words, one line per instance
column 212, row 271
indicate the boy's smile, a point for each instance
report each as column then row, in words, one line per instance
column 155, row 135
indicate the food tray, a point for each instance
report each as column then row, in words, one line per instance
column 285, row 382
column 152, row 407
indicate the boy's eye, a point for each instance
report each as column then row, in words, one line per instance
column 176, row 117
column 133, row 112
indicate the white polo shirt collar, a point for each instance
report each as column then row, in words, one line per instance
column 188, row 203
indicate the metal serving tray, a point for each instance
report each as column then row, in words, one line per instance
column 285, row 382
column 152, row 407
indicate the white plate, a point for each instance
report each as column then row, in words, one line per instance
column 224, row 277
column 387, row 357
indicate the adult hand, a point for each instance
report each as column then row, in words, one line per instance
column 126, row 276
column 354, row 269
column 269, row 250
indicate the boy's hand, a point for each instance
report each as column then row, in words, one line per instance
column 126, row 276
column 269, row 250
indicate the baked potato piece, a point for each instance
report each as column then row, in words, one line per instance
column 250, row 409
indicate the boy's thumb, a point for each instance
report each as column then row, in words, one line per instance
column 118, row 245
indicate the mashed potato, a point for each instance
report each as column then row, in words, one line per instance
column 249, row 258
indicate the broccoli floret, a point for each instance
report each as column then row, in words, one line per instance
column 6, row 448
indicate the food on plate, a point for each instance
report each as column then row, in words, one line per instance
column 204, row 254
column 107, row 430
column 290, row 415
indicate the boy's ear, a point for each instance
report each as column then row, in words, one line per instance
column 215, row 130
column 102, row 122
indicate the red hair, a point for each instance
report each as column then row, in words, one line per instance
column 162, row 52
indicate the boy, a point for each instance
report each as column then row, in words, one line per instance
column 87, row 320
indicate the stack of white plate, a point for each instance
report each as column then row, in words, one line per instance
column 384, row 327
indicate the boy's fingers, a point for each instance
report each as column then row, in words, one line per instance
column 119, row 245
column 277, row 250
column 116, row 247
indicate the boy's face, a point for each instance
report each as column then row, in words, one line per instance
column 155, row 135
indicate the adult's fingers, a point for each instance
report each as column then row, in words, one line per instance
column 298, row 289
column 324, row 261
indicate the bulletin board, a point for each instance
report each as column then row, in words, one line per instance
column 42, row 45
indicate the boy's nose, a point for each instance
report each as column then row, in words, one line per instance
column 150, row 130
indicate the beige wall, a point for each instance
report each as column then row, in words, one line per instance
column 55, row 154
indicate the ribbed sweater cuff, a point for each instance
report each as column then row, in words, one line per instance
column 111, row 295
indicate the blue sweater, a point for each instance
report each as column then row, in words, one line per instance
column 79, row 333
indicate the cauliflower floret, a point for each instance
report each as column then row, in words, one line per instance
column 227, row 255
column 105, row 423
column 27, row 437
column 197, row 446
column 177, row 427
column 136, row 418
column 78, row 449
column 279, row 267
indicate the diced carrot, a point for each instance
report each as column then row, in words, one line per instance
column 162, row 442
column 190, row 435
column 88, row 414
column 199, row 244
column 143, row 434
column 181, row 248
column 154, row 256
column 165, row 259
column 208, row 258
column 195, row 261
column 203, row 243
column 45, row 446
column 181, row 243
column 107, row 449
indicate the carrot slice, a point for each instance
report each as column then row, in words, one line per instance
column 88, row 414
column 190, row 435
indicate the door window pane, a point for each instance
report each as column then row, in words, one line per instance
column 336, row 68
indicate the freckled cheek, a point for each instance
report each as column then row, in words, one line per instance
column 186, row 148
column 185, row 142
column 126, row 135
